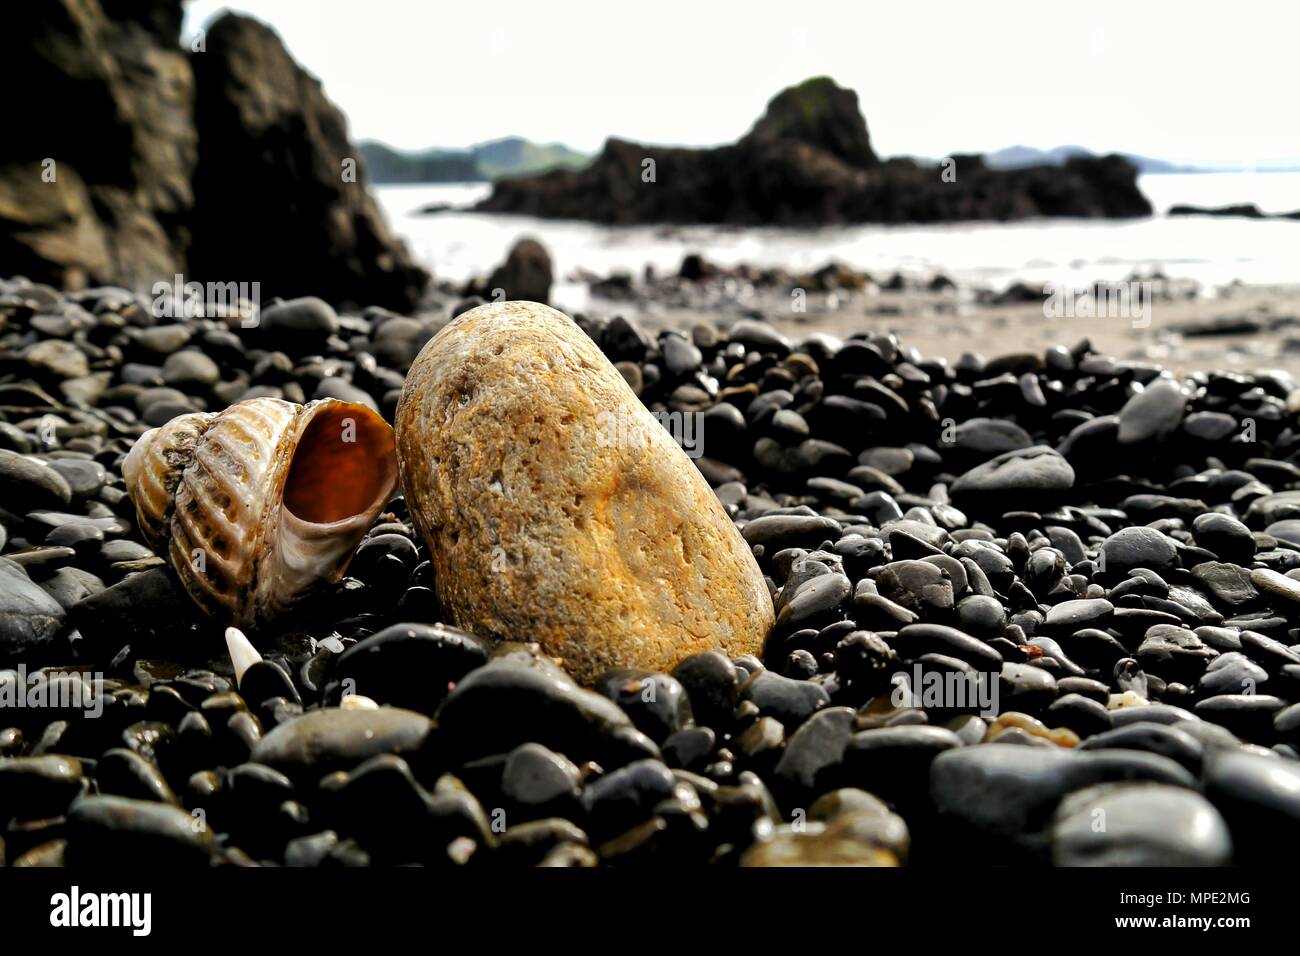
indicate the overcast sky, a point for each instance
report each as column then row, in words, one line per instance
column 1185, row 80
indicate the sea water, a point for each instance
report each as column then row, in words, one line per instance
column 458, row 244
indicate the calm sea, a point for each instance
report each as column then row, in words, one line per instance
column 458, row 245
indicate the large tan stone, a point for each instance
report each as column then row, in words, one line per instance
column 558, row 509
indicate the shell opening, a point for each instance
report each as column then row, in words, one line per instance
column 343, row 463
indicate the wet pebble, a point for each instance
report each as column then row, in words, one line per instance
column 103, row 830
column 657, row 703
column 787, row 700
column 1139, row 824
column 411, row 666
column 30, row 618
column 327, row 739
column 1006, row 795
column 546, row 707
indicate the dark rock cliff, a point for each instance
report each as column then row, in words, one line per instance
column 130, row 159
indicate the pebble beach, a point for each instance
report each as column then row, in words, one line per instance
column 1012, row 595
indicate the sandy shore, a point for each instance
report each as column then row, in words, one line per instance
column 948, row 324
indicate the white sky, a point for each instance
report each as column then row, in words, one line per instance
column 1190, row 80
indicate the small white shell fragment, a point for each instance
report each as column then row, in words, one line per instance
column 243, row 654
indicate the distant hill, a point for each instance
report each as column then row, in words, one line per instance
column 387, row 165
column 516, row 156
column 499, row 158
column 1018, row 157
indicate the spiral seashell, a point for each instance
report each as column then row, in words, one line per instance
column 256, row 506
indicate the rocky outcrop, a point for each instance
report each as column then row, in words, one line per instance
column 526, row 274
column 1242, row 211
column 274, row 185
column 139, row 160
column 822, row 114
column 809, row 161
column 95, row 171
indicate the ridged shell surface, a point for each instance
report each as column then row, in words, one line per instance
column 224, row 505
column 153, row 468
